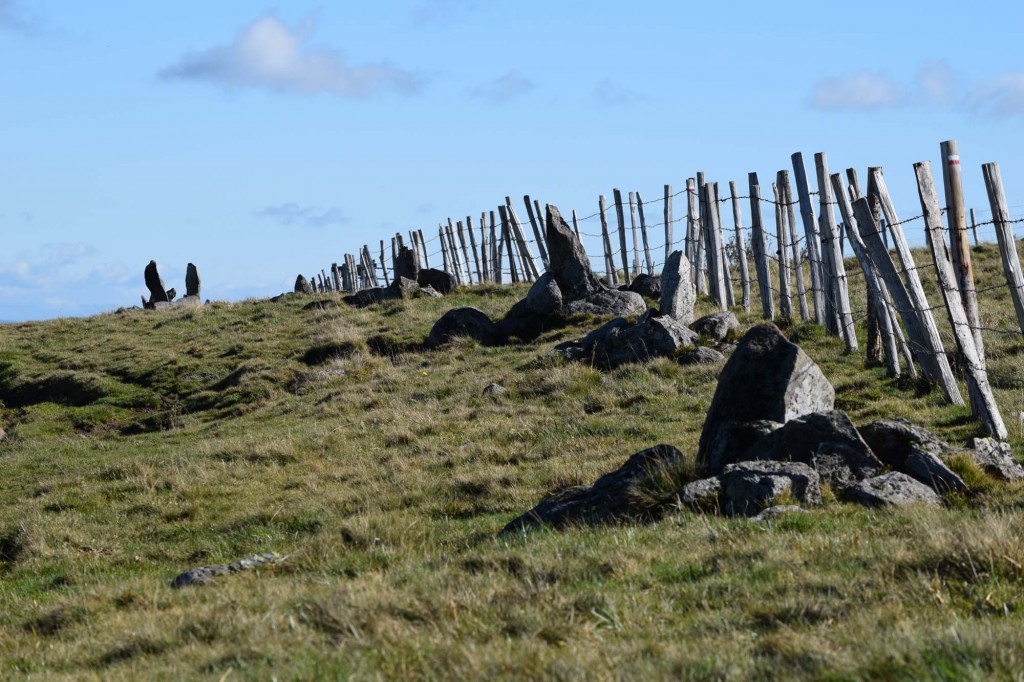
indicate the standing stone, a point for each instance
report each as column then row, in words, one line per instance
column 677, row 293
column 767, row 378
column 192, row 281
column 157, row 293
column 567, row 259
column 302, row 285
column 406, row 264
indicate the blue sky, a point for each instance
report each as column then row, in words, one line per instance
column 261, row 141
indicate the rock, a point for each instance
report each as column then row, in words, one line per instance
column 677, row 292
column 930, row 470
column 567, row 260
column 700, row 495
column 894, row 489
column 717, row 327
column 3, row 435
column 494, row 388
column 440, row 280
column 615, row 497
column 171, row 294
column 828, row 442
column 302, row 285
column 736, row 438
column 544, row 297
column 996, row 459
column 616, row 344
column 749, row 487
column 892, row 440
column 767, row 378
column 403, row 287
column 157, row 293
column 607, row 302
column 464, row 322
column 772, row 513
column 201, row 575
column 192, row 283
column 701, row 355
column 646, row 285
column 406, row 265
column 428, row 292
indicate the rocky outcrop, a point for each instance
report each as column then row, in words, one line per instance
column 749, row 487
column 618, row 342
column 766, row 379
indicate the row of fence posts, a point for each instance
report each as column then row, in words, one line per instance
column 869, row 223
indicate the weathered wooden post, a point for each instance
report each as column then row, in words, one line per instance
column 712, row 239
column 476, row 255
column 621, row 218
column 759, row 249
column 741, row 248
column 667, row 217
column 609, row 260
column 974, row 227
column 576, row 225
column 643, row 235
column 810, row 236
column 1004, row 235
column 828, row 222
column 636, row 237
column 530, row 272
column 700, row 263
column 506, row 231
column 383, row 266
column 538, row 230
column 785, row 302
column 786, row 191
column 692, row 226
column 983, row 403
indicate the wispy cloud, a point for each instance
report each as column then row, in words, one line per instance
column 294, row 215
column 934, row 86
column 503, row 88
column 268, row 54
column 441, row 11
column 608, row 91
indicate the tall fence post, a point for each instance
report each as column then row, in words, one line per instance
column 741, row 247
column 576, row 225
column 506, row 236
column 636, row 237
column 621, row 218
column 794, row 243
column 609, row 260
column 700, row 263
column 810, row 236
column 530, row 272
column 785, row 299
column 538, row 231
column 983, row 403
column 828, row 223
column 759, row 249
column 648, row 261
column 692, row 227
column 383, row 264
column 713, row 249
column 1004, row 235
column 974, row 227
column 667, row 217
column 472, row 245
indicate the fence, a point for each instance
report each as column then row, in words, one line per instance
column 807, row 269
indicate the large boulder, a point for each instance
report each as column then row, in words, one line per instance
column 827, row 441
column 464, row 322
column 749, row 487
column 894, row 489
column 567, row 260
column 677, row 292
column 439, row 280
column 996, row 459
column 157, row 292
column 302, row 285
column 717, row 327
column 646, row 285
column 615, row 497
column 607, row 302
column 767, row 378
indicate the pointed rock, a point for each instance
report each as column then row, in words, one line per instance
column 157, row 292
column 677, row 292
column 192, row 283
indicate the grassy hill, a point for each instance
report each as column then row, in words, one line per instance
column 141, row 444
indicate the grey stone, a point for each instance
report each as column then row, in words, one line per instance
column 827, row 441
column 700, row 495
column 646, row 285
column 735, row 439
column 192, row 282
column 544, row 297
column 567, row 259
column 494, row 388
column 440, row 280
column 171, row 294
column 615, row 497
column 772, row 513
column 701, row 355
column 996, row 459
column 428, row 292
column 767, row 378
column 607, row 302
column 677, row 293
column 894, row 489
column 202, row 575
column 157, row 292
column 930, row 470
column 302, row 285
column 892, row 440
column 406, row 264
column 749, row 487
column 717, row 327
column 464, row 322
column 618, row 343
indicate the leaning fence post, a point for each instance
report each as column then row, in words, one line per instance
column 472, row 245
column 530, row 272
column 759, row 249
column 636, row 237
column 465, row 252
column 1004, row 235
column 741, row 248
column 383, row 264
column 538, row 232
column 667, row 217
column 453, row 253
column 712, row 239
column 960, row 246
column 643, row 234
column 786, row 192
column 836, row 256
column 983, row 402
column 620, row 216
column 785, row 300
column 576, row 225
column 506, row 237
column 810, row 236
column 609, row 260
column 974, row 227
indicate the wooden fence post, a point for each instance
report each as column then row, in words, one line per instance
column 786, row 192
column 636, row 237
column 609, row 260
column 383, row 264
column 423, row 243
column 576, row 225
column 538, row 232
column 741, row 248
column 712, row 241
column 918, row 320
column 974, row 227
column 530, row 272
column 621, row 218
column 692, row 226
column 643, row 235
column 828, row 223
column 785, row 299
column 983, row 402
column 960, row 246
column 667, row 217
column 1004, row 235
column 506, row 236
column 453, row 253
column 472, row 246
column 336, row 276
column 760, row 250
column 723, row 255
column 465, row 252
column 700, row 263
column 810, row 236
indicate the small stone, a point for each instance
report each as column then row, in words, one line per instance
column 772, row 513
column 494, row 388
column 929, row 469
column 894, row 489
column 996, row 459
column 700, row 495
column 717, row 327
column 701, row 355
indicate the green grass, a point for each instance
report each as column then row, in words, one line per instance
column 141, row 444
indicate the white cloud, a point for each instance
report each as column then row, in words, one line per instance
column 503, row 88
column 858, row 91
column 294, row 215
column 1001, row 97
column 269, row 54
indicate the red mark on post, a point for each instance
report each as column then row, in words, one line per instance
column 954, row 160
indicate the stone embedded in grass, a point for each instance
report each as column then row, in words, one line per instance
column 491, row 389
column 439, row 280
column 749, row 487
column 201, row 575
column 700, row 495
column 894, row 489
column 892, row 440
column 772, row 513
column 465, row 322
column 767, row 378
column 701, row 355
column 302, row 285
column 930, row 470
column 617, row 342
column 616, row 496
column 995, row 458
column 677, row 293
column 717, row 327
